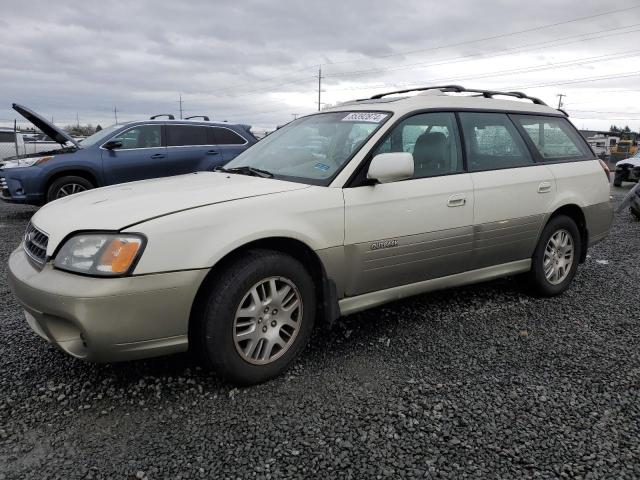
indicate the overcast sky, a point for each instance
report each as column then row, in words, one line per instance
column 256, row 61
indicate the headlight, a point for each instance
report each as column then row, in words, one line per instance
column 100, row 254
column 26, row 162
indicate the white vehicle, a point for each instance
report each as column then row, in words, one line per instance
column 601, row 144
column 11, row 143
column 340, row 211
column 627, row 170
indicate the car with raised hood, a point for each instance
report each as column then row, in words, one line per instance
column 627, row 170
column 336, row 212
column 117, row 154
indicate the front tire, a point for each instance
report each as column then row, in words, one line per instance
column 68, row 185
column 255, row 318
column 556, row 257
column 617, row 179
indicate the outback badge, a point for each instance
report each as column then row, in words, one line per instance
column 383, row 244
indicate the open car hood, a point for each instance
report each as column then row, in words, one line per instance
column 46, row 127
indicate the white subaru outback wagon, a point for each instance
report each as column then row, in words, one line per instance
column 358, row 205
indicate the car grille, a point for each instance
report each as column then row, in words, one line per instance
column 35, row 244
column 4, row 188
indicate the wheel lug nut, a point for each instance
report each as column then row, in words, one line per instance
column 274, row 323
column 260, row 320
column 266, row 309
column 264, row 329
column 275, row 311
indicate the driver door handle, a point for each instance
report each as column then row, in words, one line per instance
column 157, row 155
column 213, row 152
column 457, row 200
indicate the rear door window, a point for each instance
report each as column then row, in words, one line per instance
column 492, row 142
column 186, row 135
column 554, row 137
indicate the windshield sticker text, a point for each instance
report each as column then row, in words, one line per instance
column 365, row 117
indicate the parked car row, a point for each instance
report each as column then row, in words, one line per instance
column 120, row 153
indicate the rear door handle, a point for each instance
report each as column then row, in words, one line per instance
column 157, row 155
column 544, row 187
column 457, row 200
column 213, row 152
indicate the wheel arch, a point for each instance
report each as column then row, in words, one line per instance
column 574, row 212
column 328, row 309
column 78, row 172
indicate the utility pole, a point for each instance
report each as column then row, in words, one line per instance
column 295, row 115
column 115, row 114
column 561, row 95
column 180, row 102
column 77, row 120
column 319, row 85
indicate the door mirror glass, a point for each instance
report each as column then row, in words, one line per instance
column 112, row 144
column 391, row 167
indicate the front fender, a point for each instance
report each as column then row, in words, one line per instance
column 201, row 237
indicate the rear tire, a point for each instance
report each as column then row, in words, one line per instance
column 65, row 186
column 556, row 257
column 246, row 325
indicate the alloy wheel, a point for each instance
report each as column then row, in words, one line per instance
column 69, row 189
column 267, row 320
column 558, row 257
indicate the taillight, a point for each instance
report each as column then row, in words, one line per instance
column 605, row 167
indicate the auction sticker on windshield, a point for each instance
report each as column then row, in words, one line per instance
column 365, row 117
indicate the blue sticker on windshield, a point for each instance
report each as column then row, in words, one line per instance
column 322, row 166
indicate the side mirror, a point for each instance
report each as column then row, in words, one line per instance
column 391, row 167
column 111, row 144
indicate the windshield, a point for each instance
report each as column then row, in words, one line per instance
column 98, row 137
column 312, row 149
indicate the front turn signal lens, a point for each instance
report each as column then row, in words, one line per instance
column 119, row 255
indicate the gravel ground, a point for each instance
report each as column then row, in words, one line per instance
column 475, row 382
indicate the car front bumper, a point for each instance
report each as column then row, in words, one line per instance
column 106, row 319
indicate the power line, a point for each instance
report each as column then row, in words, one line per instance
column 442, row 47
column 503, row 52
column 533, row 68
column 461, row 59
column 493, row 37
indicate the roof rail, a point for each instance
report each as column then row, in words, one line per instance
column 460, row 89
column 168, row 115
column 203, row 117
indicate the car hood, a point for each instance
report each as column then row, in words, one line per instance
column 123, row 205
column 635, row 161
column 46, row 127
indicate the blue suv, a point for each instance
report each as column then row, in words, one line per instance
column 117, row 154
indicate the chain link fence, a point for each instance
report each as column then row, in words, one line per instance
column 18, row 143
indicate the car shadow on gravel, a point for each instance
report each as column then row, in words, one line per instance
column 351, row 344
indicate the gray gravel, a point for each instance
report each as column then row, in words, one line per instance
column 476, row 382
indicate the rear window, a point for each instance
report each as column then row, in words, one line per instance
column 554, row 137
column 185, row 135
column 6, row 137
column 225, row 136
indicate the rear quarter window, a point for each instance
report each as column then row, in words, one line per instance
column 554, row 138
column 225, row 136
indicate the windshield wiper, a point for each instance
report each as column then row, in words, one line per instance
column 256, row 172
